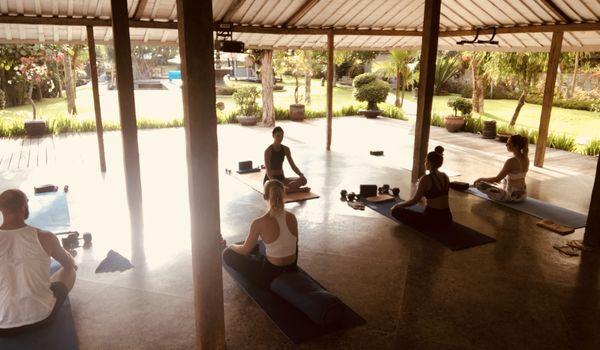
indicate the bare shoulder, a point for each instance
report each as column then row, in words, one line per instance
column 292, row 222
column 48, row 240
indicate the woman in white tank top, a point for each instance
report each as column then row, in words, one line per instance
column 278, row 233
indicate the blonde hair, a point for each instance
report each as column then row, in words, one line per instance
column 275, row 195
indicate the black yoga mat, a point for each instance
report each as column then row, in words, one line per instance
column 456, row 237
column 59, row 333
column 291, row 321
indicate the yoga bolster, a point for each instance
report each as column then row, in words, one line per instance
column 459, row 186
column 322, row 307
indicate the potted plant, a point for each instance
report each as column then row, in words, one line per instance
column 369, row 88
column 34, row 74
column 454, row 123
column 245, row 98
column 295, row 63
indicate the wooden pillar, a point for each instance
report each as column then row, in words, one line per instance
column 592, row 229
column 553, row 59
column 429, row 44
column 195, row 23
column 122, row 46
column 330, row 74
column 96, row 94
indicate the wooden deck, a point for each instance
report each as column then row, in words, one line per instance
column 27, row 153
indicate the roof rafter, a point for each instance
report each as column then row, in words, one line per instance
column 557, row 11
column 233, row 8
column 140, row 8
column 300, row 12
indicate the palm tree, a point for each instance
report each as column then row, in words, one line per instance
column 399, row 66
column 445, row 68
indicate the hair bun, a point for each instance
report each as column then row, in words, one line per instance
column 439, row 150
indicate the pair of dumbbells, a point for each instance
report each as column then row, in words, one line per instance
column 71, row 241
column 385, row 189
column 350, row 197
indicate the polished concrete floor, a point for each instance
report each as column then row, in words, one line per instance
column 517, row 293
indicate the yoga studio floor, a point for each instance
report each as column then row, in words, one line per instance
column 516, row 293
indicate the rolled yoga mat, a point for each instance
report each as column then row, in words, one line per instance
column 295, row 324
column 541, row 210
column 455, row 237
column 58, row 333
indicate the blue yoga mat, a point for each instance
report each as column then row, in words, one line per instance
column 455, row 237
column 49, row 211
column 59, row 333
column 541, row 210
column 291, row 321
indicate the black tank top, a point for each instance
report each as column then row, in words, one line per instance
column 277, row 158
column 438, row 188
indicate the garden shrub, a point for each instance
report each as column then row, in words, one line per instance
column 473, row 125
column 393, row 112
column 592, row 148
column 595, row 107
column 371, row 89
column 461, row 104
column 437, row 120
column 225, row 90
column 245, row 98
column 564, row 142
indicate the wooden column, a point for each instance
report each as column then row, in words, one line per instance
column 195, row 23
column 592, row 229
column 96, row 94
column 429, row 44
column 122, row 46
column 330, row 74
column 553, row 59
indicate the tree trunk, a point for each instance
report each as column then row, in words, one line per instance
column 398, row 88
column 558, row 89
column 38, row 89
column 60, row 85
column 307, row 92
column 266, row 78
column 520, row 104
column 70, row 88
column 30, row 97
column 296, row 94
column 574, row 82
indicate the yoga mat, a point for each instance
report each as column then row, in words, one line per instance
column 291, row 321
column 59, row 333
column 255, row 181
column 456, row 237
column 541, row 210
column 49, row 211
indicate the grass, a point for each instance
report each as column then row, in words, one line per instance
column 575, row 123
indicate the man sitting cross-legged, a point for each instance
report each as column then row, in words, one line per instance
column 29, row 297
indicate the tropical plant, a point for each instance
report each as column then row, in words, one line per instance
column 245, row 98
column 564, row 142
column 445, row 68
column 399, row 66
column 460, row 104
column 371, row 89
column 592, row 148
column 480, row 76
column 522, row 68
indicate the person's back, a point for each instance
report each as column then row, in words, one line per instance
column 25, row 295
column 29, row 297
column 279, row 237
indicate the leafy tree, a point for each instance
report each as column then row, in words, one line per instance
column 521, row 68
column 35, row 73
column 371, row 89
column 445, row 68
column 399, row 66
column 480, row 77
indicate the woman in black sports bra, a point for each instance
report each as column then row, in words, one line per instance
column 434, row 187
column 275, row 154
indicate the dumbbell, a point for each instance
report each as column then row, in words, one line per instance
column 395, row 191
column 72, row 240
column 383, row 189
column 343, row 193
column 352, row 196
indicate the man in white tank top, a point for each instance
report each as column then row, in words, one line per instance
column 29, row 297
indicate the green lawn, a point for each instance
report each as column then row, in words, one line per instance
column 572, row 122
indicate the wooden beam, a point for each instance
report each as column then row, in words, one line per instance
column 95, row 92
column 71, row 21
column 324, row 31
column 233, row 8
column 300, row 12
column 553, row 60
column 431, row 27
column 200, row 119
column 591, row 237
column 131, row 157
column 330, row 75
column 139, row 10
column 557, row 11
